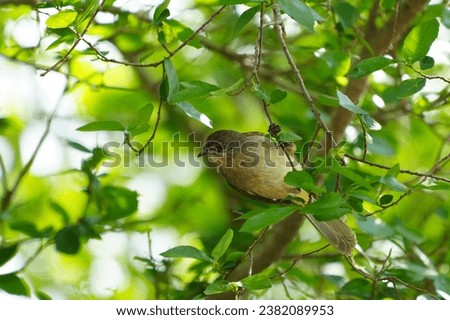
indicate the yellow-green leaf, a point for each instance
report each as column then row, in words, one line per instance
column 62, row 19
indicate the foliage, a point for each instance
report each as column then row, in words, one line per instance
column 128, row 201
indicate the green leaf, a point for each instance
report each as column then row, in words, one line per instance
column 260, row 93
column 78, row 146
column 393, row 184
column 426, row 63
column 277, row 95
column 394, row 171
column 370, row 65
column 119, row 202
column 61, row 19
column 330, row 206
column 12, row 284
column 28, row 228
column 352, row 175
column 88, row 12
column 410, row 87
column 370, row 122
column 356, row 288
column 267, row 217
column 386, row 199
column 218, row 286
column 328, row 100
column 347, row 14
column 140, row 124
column 302, row 180
column 376, row 228
column 419, row 40
column 192, row 112
column 226, row 2
column 6, row 253
column 42, row 295
column 102, row 126
column 194, row 90
column 346, row 103
column 256, row 282
column 144, row 113
column 67, row 240
column 298, row 11
column 161, row 13
column 184, row 33
column 171, row 77
column 222, row 246
column 288, row 137
column 61, row 212
column 244, row 19
column 67, row 39
column 186, row 252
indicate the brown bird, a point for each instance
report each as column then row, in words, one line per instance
column 256, row 166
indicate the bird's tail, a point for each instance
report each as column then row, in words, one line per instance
column 337, row 233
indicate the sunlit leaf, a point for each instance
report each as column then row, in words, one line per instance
column 298, row 11
column 370, row 122
column 267, row 217
column 256, row 282
column 218, row 286
column 61, row 19
column 330, row 206
column 302, row 180
column 192, row 112
column 352, row 175
column 186, row 252
column 370, row 65
column 102, row 126
column 419, row 40
column 171, row 78
column 393, row 184
column 346, row 103
column 260, row 93
column 244, row 19
column 194, row 90
column 222, row 246
column 410, row 87
column 161, row 13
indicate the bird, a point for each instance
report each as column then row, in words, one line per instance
column 256, row 166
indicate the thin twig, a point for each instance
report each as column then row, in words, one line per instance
column 102, row 57
column 423, row 75
column 248, row 252
column 413, row 173
column 391, row 279
column 34, row 256
column 76, row 42
column 9, row 194
column 155, row 128
column 4, row 176
column 279, row 27
column 297, row 259
column 306, row 159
